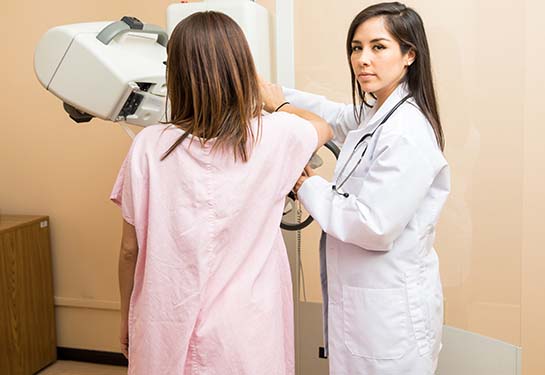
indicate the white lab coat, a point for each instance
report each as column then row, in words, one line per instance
column 383, row 301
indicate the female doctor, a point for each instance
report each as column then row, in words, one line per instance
column 383, row 303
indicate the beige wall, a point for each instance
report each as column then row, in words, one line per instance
column 488, row 65
column 533, row 201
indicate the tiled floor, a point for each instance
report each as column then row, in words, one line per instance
column 81, row 368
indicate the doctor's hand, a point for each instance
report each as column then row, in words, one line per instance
column 271, row 95
column 307, row 172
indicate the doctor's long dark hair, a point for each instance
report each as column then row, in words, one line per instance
column 406, row 26
column 212, row 84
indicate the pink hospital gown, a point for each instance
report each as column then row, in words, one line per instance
column 212, row 288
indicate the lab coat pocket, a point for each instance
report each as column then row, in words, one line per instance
column 375, row 322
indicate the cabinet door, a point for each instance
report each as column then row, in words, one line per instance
column 28, row 306
column 36, row 295
column 10, row 361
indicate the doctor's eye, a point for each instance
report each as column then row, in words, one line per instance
column 356, row 49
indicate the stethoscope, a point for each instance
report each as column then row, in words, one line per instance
column 363, row 142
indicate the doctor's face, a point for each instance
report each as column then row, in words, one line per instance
column 377, row 60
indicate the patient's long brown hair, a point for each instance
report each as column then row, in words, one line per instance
column 212, row 83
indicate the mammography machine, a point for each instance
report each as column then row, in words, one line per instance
column 110, row 70
column 115, row 71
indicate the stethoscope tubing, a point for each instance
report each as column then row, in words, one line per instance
column 336, row 187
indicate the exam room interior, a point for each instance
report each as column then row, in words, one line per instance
column 487, row 58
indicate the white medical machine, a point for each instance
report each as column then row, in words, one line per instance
column 252, row 18
column 116, row 70
column 110, row 70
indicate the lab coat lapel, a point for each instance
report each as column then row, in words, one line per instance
column 369, row 126
column 399, row 93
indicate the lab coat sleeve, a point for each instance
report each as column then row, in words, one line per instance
column 340, row 116
column 391, row 192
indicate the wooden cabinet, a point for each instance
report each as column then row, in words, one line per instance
column 27, row 320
